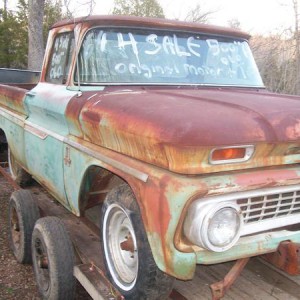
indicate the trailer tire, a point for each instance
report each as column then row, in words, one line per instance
column 128, row 258
column 18, row 174
column 23, row 212
column 53, row 259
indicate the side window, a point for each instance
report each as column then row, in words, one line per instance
column 60, row 59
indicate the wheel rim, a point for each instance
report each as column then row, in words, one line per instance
column 15, row 229
column 12, row 164
column 120, row 247
column 41, row 264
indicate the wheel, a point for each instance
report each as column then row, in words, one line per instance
column 18, row 174
column 128, row 258
column 53, row 259
column 23, row 212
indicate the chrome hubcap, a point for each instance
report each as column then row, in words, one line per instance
column 120, row 247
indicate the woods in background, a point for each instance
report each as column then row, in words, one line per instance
column 22, row 39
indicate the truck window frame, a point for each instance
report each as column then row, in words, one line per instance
column 66, row 64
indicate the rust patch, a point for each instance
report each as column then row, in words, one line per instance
column 128, row 244
column 220, row 288
column 12, row 97
column 286, row 258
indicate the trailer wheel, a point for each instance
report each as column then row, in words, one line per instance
column 18, row 174
column 128, row 258
column 23, row 212
column 53, row 259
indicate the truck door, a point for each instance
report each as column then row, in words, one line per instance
column 46, row 126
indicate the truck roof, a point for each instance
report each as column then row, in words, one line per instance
column 114, row 20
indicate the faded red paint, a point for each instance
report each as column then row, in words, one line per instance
column 265, row 177
column 152, row 22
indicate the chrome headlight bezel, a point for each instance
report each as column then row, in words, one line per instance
column 197, row 222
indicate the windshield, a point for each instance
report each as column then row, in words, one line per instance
column 159, row 57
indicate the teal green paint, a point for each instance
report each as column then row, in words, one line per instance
column 258, row 244
column 183, row 264
column 47, row 108
column 74, row 174
column 45, row 160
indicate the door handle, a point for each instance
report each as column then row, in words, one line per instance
column 31, row 94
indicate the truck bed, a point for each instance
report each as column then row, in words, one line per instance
column 25, row 79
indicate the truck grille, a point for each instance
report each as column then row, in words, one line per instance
column 270, row 205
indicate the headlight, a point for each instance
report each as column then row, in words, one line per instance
column 215, row 227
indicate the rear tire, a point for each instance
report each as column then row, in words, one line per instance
column 53, row 259
column 22, row 215
column 128, row 258
column 18, row 174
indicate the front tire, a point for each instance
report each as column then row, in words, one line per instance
column 53, row 259
column 128, row 258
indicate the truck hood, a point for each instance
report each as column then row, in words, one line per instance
column 176, row 128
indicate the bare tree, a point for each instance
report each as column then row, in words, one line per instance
column 199, row 14
column 275, row 57
column 35, row 34
column 90, row 4
column 234, row 23
column 67, row 7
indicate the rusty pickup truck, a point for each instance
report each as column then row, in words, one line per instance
column 165, row 131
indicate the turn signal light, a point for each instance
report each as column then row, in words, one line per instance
column 231, row 154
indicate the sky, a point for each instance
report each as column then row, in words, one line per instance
column 255, row 16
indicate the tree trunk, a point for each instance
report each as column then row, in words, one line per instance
column 35, row 34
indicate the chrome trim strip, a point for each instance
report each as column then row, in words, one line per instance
column 248, row 154
column 18, row 119
column 114, row 163
column 254, row 193
column 41, row 131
